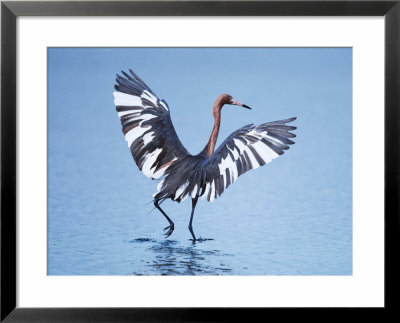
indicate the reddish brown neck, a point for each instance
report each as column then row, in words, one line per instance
column 214, row 133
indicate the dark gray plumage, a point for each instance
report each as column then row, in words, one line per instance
column 158, row 152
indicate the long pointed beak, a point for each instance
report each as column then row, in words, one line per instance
column 235, row 102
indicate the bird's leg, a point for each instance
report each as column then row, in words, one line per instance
column 170, row 228
column 194, row 202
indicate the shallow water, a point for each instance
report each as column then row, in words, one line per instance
column 97, row 229
column 290, row 217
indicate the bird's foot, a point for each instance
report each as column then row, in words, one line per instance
column 170, row 229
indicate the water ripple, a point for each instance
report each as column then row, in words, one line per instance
column 171, row 258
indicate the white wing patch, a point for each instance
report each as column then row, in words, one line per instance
column 126, row 100
column 194, row 192
column 180, row 190
column 164, row 105
column 207, row 189
column 212, row 194
column 148, row 137
column 235, row 153
column 135, row 133
column 240, row 145
column 150, row 159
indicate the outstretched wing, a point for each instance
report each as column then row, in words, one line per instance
column 247, row 148
column 147, row 126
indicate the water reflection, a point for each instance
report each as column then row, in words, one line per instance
column 171, row 258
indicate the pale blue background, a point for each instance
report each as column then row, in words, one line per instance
column 290, row 217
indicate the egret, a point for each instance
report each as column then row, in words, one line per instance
column 159, row 154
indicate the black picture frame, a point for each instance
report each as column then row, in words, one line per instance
column 11, row 10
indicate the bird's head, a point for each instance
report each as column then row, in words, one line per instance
column 228, row 99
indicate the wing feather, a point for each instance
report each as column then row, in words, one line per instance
column 247, row 148
column 146, row 125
